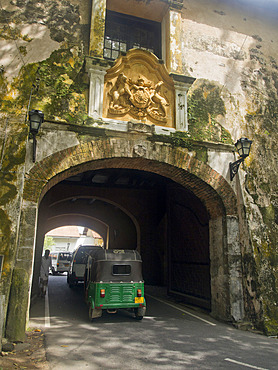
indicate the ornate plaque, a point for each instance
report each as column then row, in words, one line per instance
column 139, row 88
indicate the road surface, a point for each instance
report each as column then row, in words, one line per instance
column 171, row 336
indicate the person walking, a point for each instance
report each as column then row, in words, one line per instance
column 44, row 272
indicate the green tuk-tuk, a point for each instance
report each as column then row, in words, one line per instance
column 113, row 280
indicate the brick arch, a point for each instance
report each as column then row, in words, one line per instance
column 177, row 164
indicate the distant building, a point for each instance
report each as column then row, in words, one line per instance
column 68, row 238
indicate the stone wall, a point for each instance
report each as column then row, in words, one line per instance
column 234, row 50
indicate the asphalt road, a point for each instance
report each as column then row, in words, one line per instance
column 171, row 336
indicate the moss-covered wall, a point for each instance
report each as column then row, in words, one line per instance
column 13, row 148
column 261, row 185
column 42, row 52
column 234, row 57
column 54, row 70
column 232, row 54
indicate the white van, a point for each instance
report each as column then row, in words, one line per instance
column 78, row 264
column 60, row 262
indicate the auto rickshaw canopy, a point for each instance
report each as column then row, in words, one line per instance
column 115, row 265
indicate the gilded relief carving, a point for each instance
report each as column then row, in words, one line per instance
column 140, row 98
column 139, row 87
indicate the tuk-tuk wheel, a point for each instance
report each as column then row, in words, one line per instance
column 139, row 313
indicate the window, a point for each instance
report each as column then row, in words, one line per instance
column 64, row 257
column 82, row 254
column 121, row 270
column 124, row 32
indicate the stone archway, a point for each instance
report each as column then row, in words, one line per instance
column 177, row 164
column 145, row 155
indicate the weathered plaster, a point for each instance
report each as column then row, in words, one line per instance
column 97, row 28
column 51, row 139
column 220, row 162
column 214, row 54
column 175, row 56
column 220, row 305
column 235, row 268
column 38, row 47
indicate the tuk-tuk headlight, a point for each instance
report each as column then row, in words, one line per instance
column 139, row 293
column 102, row 293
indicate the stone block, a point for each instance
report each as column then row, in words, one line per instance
column 25, row 253
column 18, row 305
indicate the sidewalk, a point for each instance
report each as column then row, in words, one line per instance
column 30, row 354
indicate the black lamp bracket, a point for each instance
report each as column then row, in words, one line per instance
column 34, row 147
column 234, row 167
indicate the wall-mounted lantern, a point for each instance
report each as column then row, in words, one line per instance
column 35, row 120
column 243, row 146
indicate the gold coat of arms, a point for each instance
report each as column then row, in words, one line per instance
column 139, row 87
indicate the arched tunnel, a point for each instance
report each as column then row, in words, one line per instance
column 134, row 209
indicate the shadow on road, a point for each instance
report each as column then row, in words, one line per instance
column 165, row 339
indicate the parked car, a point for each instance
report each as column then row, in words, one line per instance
column 114, row 281
column 78, row 264
column 60, row 262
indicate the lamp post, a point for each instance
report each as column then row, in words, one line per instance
column 243, row 146
column 35, row 120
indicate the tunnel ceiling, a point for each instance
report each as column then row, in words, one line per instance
column 89, row 193
column 110, row 199
column 118, row 178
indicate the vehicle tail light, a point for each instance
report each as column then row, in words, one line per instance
column 139, row 293
column 102, row 293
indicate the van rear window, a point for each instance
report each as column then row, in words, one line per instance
column 64, row 256
column 82, row 255
column 121, row 269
